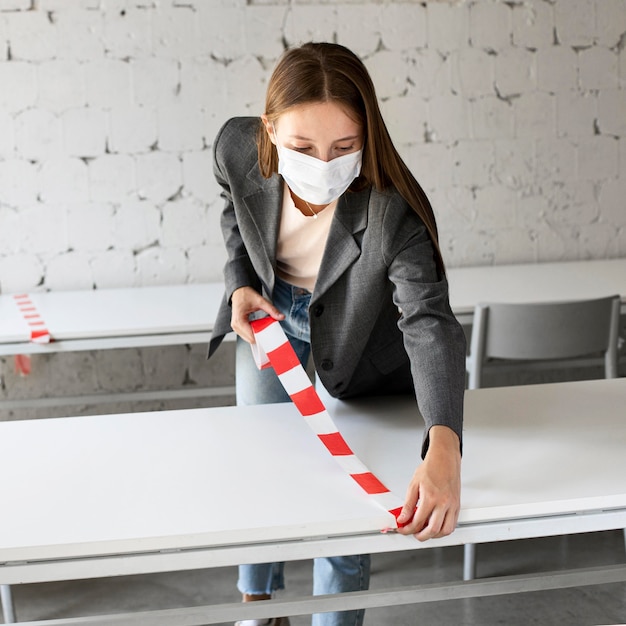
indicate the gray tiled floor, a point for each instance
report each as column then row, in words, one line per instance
column 584, row 606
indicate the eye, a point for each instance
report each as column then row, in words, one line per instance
column 301, row 148
column 345, row 148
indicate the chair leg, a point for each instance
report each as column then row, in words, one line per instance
column 469, row 561
column 624, row 538
column 7, row 604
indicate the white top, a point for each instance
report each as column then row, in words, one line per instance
column 301, row 242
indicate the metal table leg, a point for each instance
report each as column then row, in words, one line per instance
column 7, row 604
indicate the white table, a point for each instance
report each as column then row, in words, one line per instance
column 535, row 282
column 140, row 493
column 144, row 316
column 112, row 319
column 184, row 314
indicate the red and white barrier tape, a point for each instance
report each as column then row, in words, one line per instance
column 38, row 331
column 272, row 349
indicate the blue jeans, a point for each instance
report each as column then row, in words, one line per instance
column 254, row 386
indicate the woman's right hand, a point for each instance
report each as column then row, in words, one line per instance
column 245, row 301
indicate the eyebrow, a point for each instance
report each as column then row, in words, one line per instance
column 349, row 138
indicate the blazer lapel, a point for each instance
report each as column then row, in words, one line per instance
column 342, row 248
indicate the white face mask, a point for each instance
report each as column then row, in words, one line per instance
column 316, row 181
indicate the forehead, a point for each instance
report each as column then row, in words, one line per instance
column 318, row 121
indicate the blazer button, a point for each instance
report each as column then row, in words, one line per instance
column 318, row 310
column 327, row 365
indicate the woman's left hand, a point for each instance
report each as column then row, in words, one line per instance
column 433, row 499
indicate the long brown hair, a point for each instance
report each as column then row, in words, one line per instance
column 322, row 72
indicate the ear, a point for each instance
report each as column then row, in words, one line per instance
column 269, row 127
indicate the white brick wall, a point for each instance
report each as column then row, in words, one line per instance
column 511, row 113
column 84, row 132
column 533, row 25
column 32, row 35
column 118, row 102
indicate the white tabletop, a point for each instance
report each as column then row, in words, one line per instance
column 535, row 282
column 529, row 450
column 75, row 316
column 115, row 312
column 171, row 479
column 230, row 476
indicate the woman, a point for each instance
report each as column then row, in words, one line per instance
column 327, row 231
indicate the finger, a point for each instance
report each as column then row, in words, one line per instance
column 411, row 501
column 271, row 310
column 421, row 516
column 241, row 327
column 407, row 513
column 441, row 523
column 449, row 523
column 426, row 519
column 415, row 524
column 431, row 528
column 248, row 337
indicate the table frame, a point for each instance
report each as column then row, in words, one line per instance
column 200, row 558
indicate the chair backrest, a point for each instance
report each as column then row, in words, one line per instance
column 543, row 331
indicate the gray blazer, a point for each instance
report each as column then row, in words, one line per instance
column 378, row 261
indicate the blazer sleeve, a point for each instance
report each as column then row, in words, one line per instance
column 234, row 153
column 433, row 338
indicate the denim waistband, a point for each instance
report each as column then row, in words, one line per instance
column 293, row 302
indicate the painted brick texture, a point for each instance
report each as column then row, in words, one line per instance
column 119, row 118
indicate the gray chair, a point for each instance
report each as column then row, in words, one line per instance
column 552, row 333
